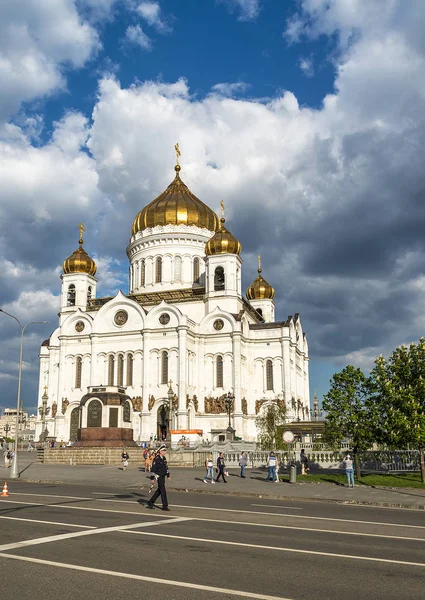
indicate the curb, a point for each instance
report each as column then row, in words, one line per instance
column 185, row 490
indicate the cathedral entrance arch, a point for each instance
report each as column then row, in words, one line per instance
column 74, row 424
column 162, row 422
column 94, row 414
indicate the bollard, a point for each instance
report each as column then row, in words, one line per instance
column 293, row 474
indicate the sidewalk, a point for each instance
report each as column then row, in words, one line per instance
column 191, row 480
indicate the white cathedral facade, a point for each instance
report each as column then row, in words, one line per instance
column 168, row 354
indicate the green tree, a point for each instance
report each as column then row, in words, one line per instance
column 350, row 413
column 400, row 398
column 269, row 423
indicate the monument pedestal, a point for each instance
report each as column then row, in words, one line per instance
column 105, row 437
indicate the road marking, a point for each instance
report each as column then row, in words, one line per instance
column 209, row 508
column 47, row 522
column 277, row 506
column 67, row 536
column 182, row 584
column 66, row 506
column 280, row 549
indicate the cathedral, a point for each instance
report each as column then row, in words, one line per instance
column 183, row 353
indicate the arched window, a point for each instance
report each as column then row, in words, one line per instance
column 111, row 366
column 195, row 269
column 260, row 311
column 120, row 378
column 126, row 413
column 130, row 370
column 94, row 414
column 142, row 273
column 269, row 375
column 78, row 370
column 164, row 367
column 158, row 270
column 89, row 294
column 219, row 279
column 178, row 268
column 71, row 295
column 219, row 367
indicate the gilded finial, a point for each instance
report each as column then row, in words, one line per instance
column 178, row 153
column 259, row 263
column 222, row 209
column 45, row 389
column 170, row 383
column 81, row 228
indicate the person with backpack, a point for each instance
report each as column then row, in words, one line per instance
column 209, row 467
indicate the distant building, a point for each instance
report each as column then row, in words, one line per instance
column 184, row 331
column 27, row 424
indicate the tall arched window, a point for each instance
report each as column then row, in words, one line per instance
column 195, row 269
column 158, row 270
column 219, row 279
column 269, row 375
column 142, row 272
column 71, row 295
column 89, row 294
column 178, row 268
column 111, row 365
column 120, row 377
column 164, row 367
column 130, row 370
column 78, row 371
column 219, row 375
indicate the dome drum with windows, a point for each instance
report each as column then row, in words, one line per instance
column 79, row 261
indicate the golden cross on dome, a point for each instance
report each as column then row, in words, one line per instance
column 81, row 228
column 259, row 263
column 45, row 389
column 222, row 209
column 178, row 153
column 171, row 383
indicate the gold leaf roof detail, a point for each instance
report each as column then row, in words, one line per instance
column 259, row 288
column 175, row 206
column 223, row 242
column 79, row 261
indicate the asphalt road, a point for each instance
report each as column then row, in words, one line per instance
column 59, row 541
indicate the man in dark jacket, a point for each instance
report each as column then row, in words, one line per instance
column 160, row 470
column 220, row 467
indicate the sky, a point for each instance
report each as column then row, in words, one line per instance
column 306, row 116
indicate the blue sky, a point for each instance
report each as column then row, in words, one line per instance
column 306, row 116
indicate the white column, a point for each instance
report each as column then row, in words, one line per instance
column 145, row 381
column 182, row 410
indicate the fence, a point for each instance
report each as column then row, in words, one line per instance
column 377, row 461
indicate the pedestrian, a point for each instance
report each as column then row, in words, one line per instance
column 160, row 469
column 277, row 470
column 209, row 467
column 304, row 463
column 6, row 459
column 124, row 459
column 271, row 467
column 220, row 467
column 349, row 471
column 242, row 463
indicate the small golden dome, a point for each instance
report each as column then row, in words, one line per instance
column 79, row 261
column 259, row 288
column 223, row 242
column 176, row 206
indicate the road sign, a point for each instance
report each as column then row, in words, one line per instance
column 288, row 437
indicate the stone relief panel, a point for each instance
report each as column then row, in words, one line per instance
column 65, row 404
column 244, row 406
column 54, row 409
column 216, row 406
column 151, row 402
column 137, row 402
column 194, row 400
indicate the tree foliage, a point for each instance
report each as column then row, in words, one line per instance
column 399, row 384
column 350, row 414
column 269, row 423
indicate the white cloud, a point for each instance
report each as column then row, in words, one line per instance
column 307, row 66
column 37, row 40
column 135, row 35
column 248, row 10
column 151, row 13
column 230, row 89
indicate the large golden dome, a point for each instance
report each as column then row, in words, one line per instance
column 223, row 242
column 79, row 261
column 259, row 288
column 176, row 206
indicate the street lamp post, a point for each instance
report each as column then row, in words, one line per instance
column 170, row 395
column 44, row 411
column 6, row 430
column 14, row 473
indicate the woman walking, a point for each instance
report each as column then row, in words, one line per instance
column 242, row 463
column 220, row 467
column 209, row 467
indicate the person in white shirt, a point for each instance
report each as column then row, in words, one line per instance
column 349, row 470
column 271, row 466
